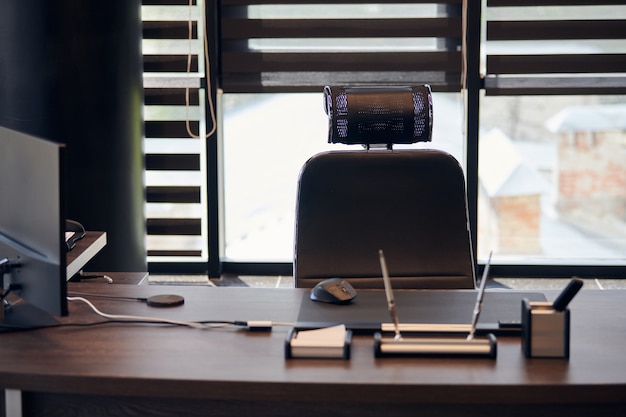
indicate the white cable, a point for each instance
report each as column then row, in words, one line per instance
column 140, row 318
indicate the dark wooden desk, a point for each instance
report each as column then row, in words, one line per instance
column 124, row 369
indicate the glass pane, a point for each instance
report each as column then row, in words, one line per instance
column 553, row 179
column 267, row 138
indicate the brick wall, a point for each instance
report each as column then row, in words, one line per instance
column 591, row 175
column 518, row 223
column 510, row 224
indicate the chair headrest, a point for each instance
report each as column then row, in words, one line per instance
column 379, row 115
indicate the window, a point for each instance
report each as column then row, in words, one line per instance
column 530, row 67
column 552, row 177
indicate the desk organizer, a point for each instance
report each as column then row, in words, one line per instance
column 545, row 331
column 329, row 343
column 485, row 347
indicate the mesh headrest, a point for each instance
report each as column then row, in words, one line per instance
column 379, row 115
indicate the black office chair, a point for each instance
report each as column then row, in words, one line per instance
column 411, row 203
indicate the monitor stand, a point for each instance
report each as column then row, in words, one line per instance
column 23, row 316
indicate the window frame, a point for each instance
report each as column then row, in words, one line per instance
column 477, row 82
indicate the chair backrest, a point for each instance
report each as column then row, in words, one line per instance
column 411, row 203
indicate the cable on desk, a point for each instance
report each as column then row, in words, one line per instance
column 253, row 325
column 146, row 319
column 83, row 277
column 140, row 320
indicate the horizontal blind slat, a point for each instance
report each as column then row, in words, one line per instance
column 555, row 30
column 338, row 28
column 174, row 226
column 170, row 96
column 167, row 2
column 510, row 85
column 183, row 195
column 556, row 64
column 309, row 82
column 258, row 62
column 173, row 162
column 174, row 253
column 169, row 129
column 169, row 63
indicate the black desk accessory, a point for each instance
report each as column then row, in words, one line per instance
column 453, row 345
column 74, row 231
column 333, row 290
column 546, row 326
column 568, row 293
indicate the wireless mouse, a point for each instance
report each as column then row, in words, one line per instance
column 334, row 291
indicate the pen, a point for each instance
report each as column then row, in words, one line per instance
column 389, row 294
column 567, row 294
column 479, row 299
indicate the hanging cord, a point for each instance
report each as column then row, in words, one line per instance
column 464, row 12
column 207, row 70
column 464, row 46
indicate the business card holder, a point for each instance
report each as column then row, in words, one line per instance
column 324, row 343
column 453, row 346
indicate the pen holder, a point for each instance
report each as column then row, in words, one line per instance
column 545, row 331
column 451, row 346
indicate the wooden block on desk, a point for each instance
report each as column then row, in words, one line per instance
column 85, row 249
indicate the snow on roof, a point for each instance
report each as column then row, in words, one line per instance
column 502, row 170
column 593, row 118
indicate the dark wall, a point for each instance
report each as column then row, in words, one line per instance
column 71, row 71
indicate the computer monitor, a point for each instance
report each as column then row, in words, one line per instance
column 32, row 229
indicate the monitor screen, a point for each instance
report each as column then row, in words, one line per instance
column 32, row 225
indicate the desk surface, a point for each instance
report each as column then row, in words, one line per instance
column 229, row 370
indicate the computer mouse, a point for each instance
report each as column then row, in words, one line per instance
column 333, row 290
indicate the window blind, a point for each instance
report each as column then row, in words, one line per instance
column 586, row 53
column 281, row 45
column 175, row 144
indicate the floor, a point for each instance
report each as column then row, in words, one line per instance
column 287, row 282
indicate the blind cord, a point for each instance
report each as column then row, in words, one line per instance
column 207, row 70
